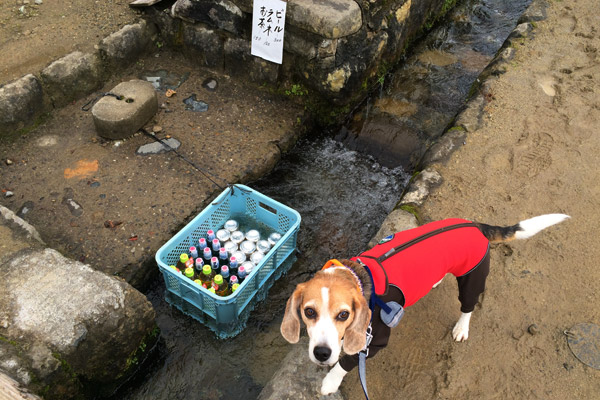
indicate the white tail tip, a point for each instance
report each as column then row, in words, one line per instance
column 531, row 226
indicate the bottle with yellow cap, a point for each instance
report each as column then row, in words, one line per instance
column 189, row 273
column 221, row 286
column 183, row 258
column 235, row 287
column 175, row 268
column 206, row 276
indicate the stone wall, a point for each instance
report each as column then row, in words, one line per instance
column 70, row 78
column 333, row 49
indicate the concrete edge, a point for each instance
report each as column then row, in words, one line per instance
column 427, row 178
column 469, row 119
column 23, row 101
column 29, row 229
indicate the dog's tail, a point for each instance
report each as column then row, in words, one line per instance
column 522, row 230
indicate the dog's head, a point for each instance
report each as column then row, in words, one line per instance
column 334, row 309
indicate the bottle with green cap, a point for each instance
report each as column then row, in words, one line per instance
column 235, row 287
column 189, row 273
column 183, row 259
column 221, row 286
column 206, row 276
column 175, row 268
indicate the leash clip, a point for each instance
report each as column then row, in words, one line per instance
column 369, row 338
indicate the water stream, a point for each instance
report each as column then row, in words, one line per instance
column 425, row 93
column 342, row 196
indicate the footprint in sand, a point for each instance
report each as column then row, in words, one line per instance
column 535, row 155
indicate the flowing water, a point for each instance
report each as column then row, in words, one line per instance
column 342, row 196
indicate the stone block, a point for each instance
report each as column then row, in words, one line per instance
column 71, row 77
column 297, row 378
column 331, row 19
column 203, row 45
column 239, row 61
column 122, row 116
column 421, row 187
column 222, row 14
column 20, row 102
column 63, row 324
column 296, row 42
column 127, row 44
column 397, row 221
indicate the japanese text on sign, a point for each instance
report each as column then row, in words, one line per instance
column 268, row 22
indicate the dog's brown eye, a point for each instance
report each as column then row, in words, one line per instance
column 310, row 313
column 343, row 316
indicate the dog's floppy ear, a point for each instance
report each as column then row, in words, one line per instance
column 290, row 326
column 355, row 337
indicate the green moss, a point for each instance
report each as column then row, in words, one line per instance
column 10, row 137
column 296, row 90
column 456, row 128
column 412, row 210
column 136, row 355
column 9, row 341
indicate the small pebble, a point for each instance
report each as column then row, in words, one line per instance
column 533, row 329
column 9, row 193
column 9, row 162
column 38, row 1
column 157, row 128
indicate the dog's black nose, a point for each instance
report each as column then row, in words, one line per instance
column 322, row 353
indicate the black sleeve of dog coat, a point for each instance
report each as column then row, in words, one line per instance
column 472, row 284
column 381, row 336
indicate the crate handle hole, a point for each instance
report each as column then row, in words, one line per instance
column 268, row 208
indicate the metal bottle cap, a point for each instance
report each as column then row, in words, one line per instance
column 247, row 247
column 230, row 247
column 256, row 257
column 231, row 225
column 239, row 256
column 223, row 235
column 263, row 246
column 274, row 238
column 253, row 235
column 248, row 266
column 237, row 237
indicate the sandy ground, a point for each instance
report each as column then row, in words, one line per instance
column 32, row 35
column 536, row 152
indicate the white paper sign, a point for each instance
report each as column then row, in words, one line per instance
column 268, row 22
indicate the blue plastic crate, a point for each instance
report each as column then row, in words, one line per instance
column 227, row 316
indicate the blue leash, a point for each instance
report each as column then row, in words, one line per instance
column 392, row 312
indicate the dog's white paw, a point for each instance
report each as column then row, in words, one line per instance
column 460, row 333
column 333, row 380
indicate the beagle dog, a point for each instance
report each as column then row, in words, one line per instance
column 349, row 297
